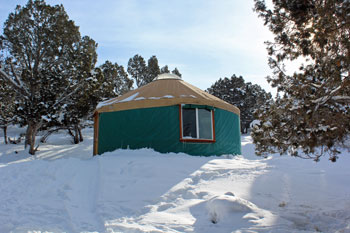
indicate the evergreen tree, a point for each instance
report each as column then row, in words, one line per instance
column 138, row 70
column 246, row 96
column 176, row 72
column 256, row 97
column 43, row 49
column 82, row 102
column 142, row 73
column 152, row 69
column 165, row 70
column 7, row 102
column 114, row 80
column 7, row 108
column 313, row 112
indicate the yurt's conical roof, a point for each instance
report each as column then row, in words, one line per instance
column 165, row 90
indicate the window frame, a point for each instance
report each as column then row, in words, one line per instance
column 182, row 139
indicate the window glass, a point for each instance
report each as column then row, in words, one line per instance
column 204, row 123
column 189, row 122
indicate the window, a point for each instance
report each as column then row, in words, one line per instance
column 196, row 123
column 189, row 122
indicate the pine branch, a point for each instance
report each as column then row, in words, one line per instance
column 345, row 99
column 65, row 95
column 16, row 85
column 324, row 99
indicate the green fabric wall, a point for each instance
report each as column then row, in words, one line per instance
column 159, row 128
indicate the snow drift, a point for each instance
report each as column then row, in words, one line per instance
column 65, row 189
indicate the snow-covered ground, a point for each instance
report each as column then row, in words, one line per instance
column 64, row 189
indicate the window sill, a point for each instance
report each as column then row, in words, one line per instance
column 197, row 140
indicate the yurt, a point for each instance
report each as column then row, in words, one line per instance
column 168, row 115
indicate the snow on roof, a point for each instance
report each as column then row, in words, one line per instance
column 165, row 90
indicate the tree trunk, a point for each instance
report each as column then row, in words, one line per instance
column 28, row 135
column 44, row 138
column 32, row 129
column 80, row 135
column 4, row 128
column 72, row 134
column 49, row 132
column 76, row 134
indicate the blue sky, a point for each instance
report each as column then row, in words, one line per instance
column 205, row 39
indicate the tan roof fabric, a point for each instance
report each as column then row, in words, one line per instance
column 164, row 92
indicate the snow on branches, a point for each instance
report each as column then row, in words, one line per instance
column 312, row 112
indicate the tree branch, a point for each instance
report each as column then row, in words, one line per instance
column 17, row 87
column 65, row 95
